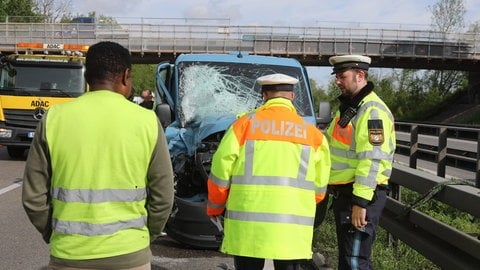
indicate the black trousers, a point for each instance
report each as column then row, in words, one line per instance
column 355, row 246
column 248, row 263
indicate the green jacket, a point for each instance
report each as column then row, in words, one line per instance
column 98, row 181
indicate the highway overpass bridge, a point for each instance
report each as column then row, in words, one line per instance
column 155, row 42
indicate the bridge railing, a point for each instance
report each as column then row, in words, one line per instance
column 223, row 37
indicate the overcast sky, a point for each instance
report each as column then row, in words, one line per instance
column 275, row 12
column 370, row 13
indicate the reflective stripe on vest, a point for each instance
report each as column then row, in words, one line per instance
column 215, row 205
column 249, row 179
column 90, row 229
column 97, row 196
column 219, row 182
column 377, row 105
column 271, row 217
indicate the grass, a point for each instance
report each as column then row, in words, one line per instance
column 473, row 120
column 451, row 216
column 385, row 256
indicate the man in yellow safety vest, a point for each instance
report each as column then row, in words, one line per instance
column 98, row 182
column 362, row 145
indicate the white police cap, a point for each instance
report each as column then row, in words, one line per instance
column 344, row 62
column 277, row 82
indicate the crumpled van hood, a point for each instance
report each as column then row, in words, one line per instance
column 186, row 139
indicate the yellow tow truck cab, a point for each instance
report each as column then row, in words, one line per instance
column 32, row 80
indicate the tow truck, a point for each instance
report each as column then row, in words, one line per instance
column 33, row 79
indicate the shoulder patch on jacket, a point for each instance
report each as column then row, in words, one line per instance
column 375, row 132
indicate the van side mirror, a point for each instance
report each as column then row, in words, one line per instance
column 164, row 113
column 324, row 114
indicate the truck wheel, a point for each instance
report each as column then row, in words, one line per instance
column 15, row 152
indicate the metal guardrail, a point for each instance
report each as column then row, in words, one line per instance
column 443, row 244
column 315, row 42
column 453, row 146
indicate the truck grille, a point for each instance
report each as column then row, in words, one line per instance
column 20, row 118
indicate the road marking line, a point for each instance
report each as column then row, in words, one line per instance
column 11, row 187
column 169, row 260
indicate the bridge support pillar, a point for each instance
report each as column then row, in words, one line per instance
column 474, row 87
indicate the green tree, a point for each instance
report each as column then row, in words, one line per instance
column 52, row 10
column 447, row 17
column 318, row 93
column 385, row 90
column 474, row 38
column 418, row 94
column 102, row 19
column 143, row 77
column 17, row 11
column 474, row 29
column 333, row 92
column 408, row 91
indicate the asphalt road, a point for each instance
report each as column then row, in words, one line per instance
column 22, row 247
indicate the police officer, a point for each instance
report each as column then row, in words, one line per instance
column 269, row 171
column 362, row 145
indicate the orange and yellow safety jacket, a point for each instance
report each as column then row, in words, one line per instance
column 362, row 152
column 270, row 170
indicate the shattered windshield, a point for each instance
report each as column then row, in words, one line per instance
column 216, row 89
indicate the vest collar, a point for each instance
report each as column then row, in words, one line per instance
column 279, row 101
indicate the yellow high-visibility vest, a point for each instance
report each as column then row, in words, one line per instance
column 98, row 185
column 362, row 152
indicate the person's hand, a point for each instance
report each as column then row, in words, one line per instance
column 359, row 215
column 218, row 222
